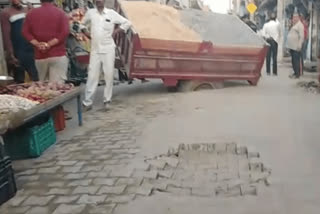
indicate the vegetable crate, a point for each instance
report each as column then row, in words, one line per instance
column 30, row 142
column 58, row 118
column 8, row 186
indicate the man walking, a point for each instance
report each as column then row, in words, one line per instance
column 294, row 44
column 47, row 28
column 101, row 22
column 19, row 51
column 272, row 31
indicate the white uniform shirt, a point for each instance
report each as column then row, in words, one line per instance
column 101, row 27
column 272, row 29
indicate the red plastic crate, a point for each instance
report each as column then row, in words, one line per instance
column 58, row 119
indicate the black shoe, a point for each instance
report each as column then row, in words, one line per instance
column 86, row 108
column 275, row 74
column 268, row 74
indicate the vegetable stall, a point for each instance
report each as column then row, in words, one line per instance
column 23, row 104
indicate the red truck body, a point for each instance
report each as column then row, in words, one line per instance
column 173, row 61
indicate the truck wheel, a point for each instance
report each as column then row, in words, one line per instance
column 253, row 82
column 172, row 89
column 191, row 85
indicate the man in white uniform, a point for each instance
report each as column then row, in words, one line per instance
column 272, row 33
column 101, row 22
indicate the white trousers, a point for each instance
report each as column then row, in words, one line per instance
column 54, row 67
column 98, row 61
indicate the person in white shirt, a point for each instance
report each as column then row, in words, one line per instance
column 271, row 32
column 101, row 21
column 294, row 44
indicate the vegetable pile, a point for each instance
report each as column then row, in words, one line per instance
column 10, row 105
column 16, row 99
column 37, row 91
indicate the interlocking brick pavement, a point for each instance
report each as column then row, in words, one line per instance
column 95, row 172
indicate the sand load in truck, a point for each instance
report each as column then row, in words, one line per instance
column 188, row 45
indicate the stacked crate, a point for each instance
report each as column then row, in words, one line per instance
column 8, row 186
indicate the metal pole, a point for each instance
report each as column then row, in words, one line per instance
column 281, row 18
column 3, row 64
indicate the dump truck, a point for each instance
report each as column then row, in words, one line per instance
column 228, row 50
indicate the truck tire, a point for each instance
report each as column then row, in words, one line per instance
column 172, row 89
column 194, row 85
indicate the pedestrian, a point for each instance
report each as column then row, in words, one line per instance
column 19, row 52
column 272, row 32
column 47, row 29
column 101, row 22
column 294, row 44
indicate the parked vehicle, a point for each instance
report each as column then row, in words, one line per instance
column 179, row 62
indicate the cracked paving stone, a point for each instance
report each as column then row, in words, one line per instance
column 242, row 150
column 91, row 199
column 58, row 191
column 121, row 172
column 49, row 170
column 228, row 192
column 27, row 178
column 110, row 162
column 56, row 184
column 39, row 210
column 153, row 174
column 243, row 164
column 91, row 168
column 112, row 189
column 120, row 199
column 145, row 189
column 129, row 181
column 66, row 163
column 17, row 200
column 75, row 176
column 27, row 172
column 37, row 200
column 69, row 209
column 203, row 191
column 178, row 190
column 157, row 184
column 71, row 169
column 86, row 190
column 256, row 167
column 142, row 166
column 15, row 210
column 85, row 157
column 232, row 148
column 227, row 176
column 104, row 181
column 99, row 209
column 220, row 147
column 173, row 162
column 66, row 199
column 157, row 164
column 84, row 182
column 103, row 157
column 103, row 174
column 248, row 190
column 166, row 174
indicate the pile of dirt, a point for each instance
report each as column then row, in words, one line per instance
column 311, row 86
column 220, row 29
column 156, row 21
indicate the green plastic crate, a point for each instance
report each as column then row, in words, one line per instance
column 30, row 142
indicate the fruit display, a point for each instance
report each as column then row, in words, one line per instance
column 37, row 91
